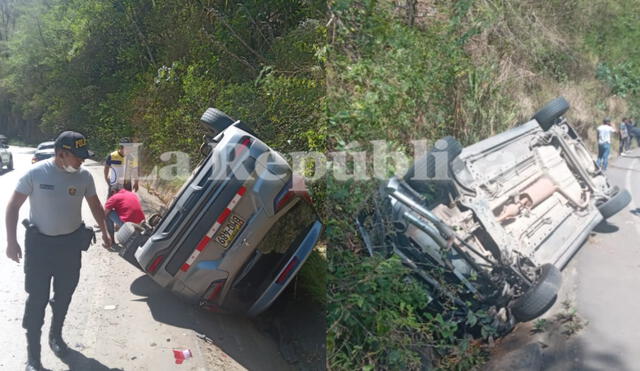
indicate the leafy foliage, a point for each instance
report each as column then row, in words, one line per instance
column 147, row 69
column 401, row 71
column 378, row 320
column 396, row 78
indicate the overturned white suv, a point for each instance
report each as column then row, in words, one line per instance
column 499, row 218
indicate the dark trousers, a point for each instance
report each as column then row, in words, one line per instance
column 49, row 259
column 625, row 143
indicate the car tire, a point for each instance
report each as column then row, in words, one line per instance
column 216, row 120
column 551, row 112
column 620, row 199
column 130, row 237
column 10, row 166
column 448, row 145
column 540, row 296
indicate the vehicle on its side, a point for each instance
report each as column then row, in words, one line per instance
column 237, row 232
column 497, row 219
column 44, row 151
column 6, row 157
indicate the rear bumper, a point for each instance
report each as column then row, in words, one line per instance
column 278, row 284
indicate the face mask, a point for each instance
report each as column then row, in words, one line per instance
column 70, row 169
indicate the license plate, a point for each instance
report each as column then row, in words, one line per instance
column 229, row 231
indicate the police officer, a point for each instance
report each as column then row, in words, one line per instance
column 55, row 238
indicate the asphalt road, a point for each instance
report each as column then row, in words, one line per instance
column 119, row 319
column 604, row 282
column 600, row 285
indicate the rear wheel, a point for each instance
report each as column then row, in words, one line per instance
column 540, row 296
column 216, row 120
column 551, row 112
column 619, row 200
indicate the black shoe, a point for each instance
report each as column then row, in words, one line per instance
column 33, row 351
column 33, row 361
column 34, row 366
column 58, row 346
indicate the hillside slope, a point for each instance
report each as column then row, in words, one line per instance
column 423, row 69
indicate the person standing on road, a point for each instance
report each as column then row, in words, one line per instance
column 604, row 143
column 121, row 167
column 55, row 237
column 634, row 132
column 624, row 136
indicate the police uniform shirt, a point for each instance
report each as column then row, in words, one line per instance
column 55, row 196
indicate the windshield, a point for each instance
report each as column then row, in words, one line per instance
column 46, row 145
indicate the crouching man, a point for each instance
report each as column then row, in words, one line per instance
column 121, row 207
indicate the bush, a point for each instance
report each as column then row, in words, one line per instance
column 378, row 320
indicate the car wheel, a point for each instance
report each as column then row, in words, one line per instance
column 216, row 120
column 617, row 202
column 550, row 113
column 10, row 166
column 434, row 169
column 130, row 237
column 540, row 296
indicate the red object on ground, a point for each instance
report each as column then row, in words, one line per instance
column 127, row 205
column 181, row 354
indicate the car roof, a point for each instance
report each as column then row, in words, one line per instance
column 48, row 143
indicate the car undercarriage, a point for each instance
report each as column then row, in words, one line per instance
column 492, row 224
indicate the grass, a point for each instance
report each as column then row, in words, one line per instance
column 312, row 278
column 540, row 325
column 571, row 322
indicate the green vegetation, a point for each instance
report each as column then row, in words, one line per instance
column 378, row 320
column 569, row 319
column 394, row 71
column 426, row 69
column 147, row 69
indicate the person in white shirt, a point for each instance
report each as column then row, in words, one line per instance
column 604, row 143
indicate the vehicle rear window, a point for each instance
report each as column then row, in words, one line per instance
column 274, row 251
column 287, row 228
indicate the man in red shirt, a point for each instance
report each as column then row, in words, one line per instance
column 121, row 207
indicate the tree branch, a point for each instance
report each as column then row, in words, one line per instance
column 235, row 56
column 234, row 34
